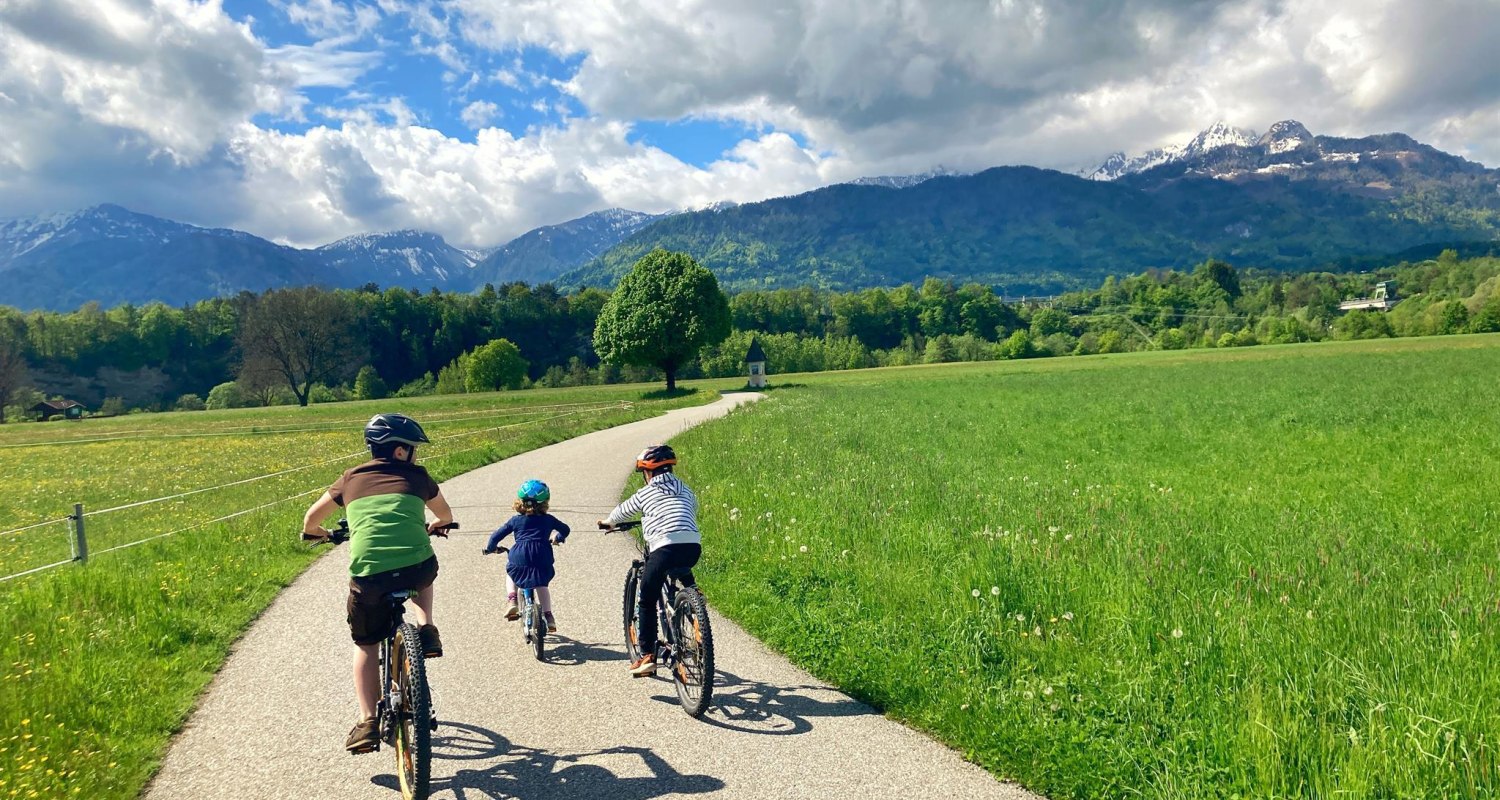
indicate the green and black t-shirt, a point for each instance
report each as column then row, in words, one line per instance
column 385, row 502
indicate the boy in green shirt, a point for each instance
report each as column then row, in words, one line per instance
column 385, row 500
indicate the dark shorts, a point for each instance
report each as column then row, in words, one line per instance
column 370, row 618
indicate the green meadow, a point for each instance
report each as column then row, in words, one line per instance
column 1266, row 572
column 101, row 663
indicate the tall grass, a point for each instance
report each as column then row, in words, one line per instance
column 100, row 664
column 1206, row 575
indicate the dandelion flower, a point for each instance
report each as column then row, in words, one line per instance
column 964, row 707
column 1037, row 631
column 1068, row 615
column 975, row 592
column 1176, row 633
column 994, row 591
column 1020, row 618
column 1047, row 691
column 803, row 548
column 1053, row 529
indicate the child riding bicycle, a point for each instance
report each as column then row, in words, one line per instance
column 384, row 499
column 669, row 523
column 530, row 565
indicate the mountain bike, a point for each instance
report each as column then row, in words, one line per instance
column 685, row 643
column 533, row 624
column 407, row 717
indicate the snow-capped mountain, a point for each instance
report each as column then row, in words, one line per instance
column 542, row 254
column 1284, row 137
column 907, row 181
column 400, row 258
column 113, row 255
column 1212, row 138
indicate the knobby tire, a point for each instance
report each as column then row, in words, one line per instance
column 413, row 730
column 693, row 672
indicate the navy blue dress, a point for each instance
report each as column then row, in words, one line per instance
column 531, row 556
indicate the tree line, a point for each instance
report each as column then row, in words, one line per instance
column 313, row 345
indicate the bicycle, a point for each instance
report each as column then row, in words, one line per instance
column 685, row 644
column 533, row 624
column 405, row 710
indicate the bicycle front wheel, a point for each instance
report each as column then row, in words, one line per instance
column 693, row 672
column 631, row 614
column 538, row 632
column 413, row 715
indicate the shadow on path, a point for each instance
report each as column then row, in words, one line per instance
column 761, row 708
column 525, row 773
column 565, row 652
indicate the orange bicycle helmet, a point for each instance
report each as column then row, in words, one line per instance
column 655, row 457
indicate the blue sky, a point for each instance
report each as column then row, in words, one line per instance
column 306, row 120
column 399, row 61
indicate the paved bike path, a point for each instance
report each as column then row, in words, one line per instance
column 272, row 724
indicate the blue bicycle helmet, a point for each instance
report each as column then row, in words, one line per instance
column 534, row 491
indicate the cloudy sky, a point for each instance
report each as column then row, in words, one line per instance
column 306, row 120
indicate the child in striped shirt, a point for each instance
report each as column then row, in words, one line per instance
column 669, row 523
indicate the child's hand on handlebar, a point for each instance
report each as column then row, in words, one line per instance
column 441, row 527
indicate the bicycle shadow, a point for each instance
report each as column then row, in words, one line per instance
column 565, row 652
column 748, row 706
column 530, row 774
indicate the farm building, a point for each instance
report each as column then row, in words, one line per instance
column 47, row 409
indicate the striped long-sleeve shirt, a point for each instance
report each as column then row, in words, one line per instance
column 668, row 511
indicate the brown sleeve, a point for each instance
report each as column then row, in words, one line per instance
column 431, row 490
column 336, row 491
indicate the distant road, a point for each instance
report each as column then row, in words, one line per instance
column 273, row 723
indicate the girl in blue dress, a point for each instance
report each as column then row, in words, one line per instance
column 530, row 564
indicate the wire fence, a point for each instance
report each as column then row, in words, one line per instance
column 78, row 540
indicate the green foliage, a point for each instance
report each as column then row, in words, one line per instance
column 368, row 384
column 226, row 395
column 665, row 311
column 496, row 365
column 112, row 407
column 453, row 379
column 420, row 387
column 1172, row 575
column 1019, row 345
column 191, row 402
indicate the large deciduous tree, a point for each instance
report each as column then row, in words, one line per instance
column 305, row 336
column 496, row 365
column 665, row 311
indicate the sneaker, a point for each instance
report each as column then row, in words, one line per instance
column 644, row 667
column 365, row 738
column 432, row 644
column 551, row 622
column 513, row 613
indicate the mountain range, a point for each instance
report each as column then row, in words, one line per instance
column 1285, row 199
column 1282, row 199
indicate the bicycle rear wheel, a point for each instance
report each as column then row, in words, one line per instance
column 693, row 671
column 413, row 716
column 631, row 612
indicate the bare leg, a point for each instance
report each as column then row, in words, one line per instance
column 544, row 596
column 367, row 678
column 422, row 600
column 510, row 588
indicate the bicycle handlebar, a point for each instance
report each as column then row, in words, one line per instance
column 624, row 526
column 340, row 534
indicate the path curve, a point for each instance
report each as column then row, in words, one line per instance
column 273, row 722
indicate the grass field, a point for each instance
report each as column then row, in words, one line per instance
column 99, row 664
column 1266, row 572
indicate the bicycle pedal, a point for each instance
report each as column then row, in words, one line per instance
column 361, row 751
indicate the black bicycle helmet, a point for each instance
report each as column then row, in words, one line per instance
column 394, row 429
column 655, row 457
